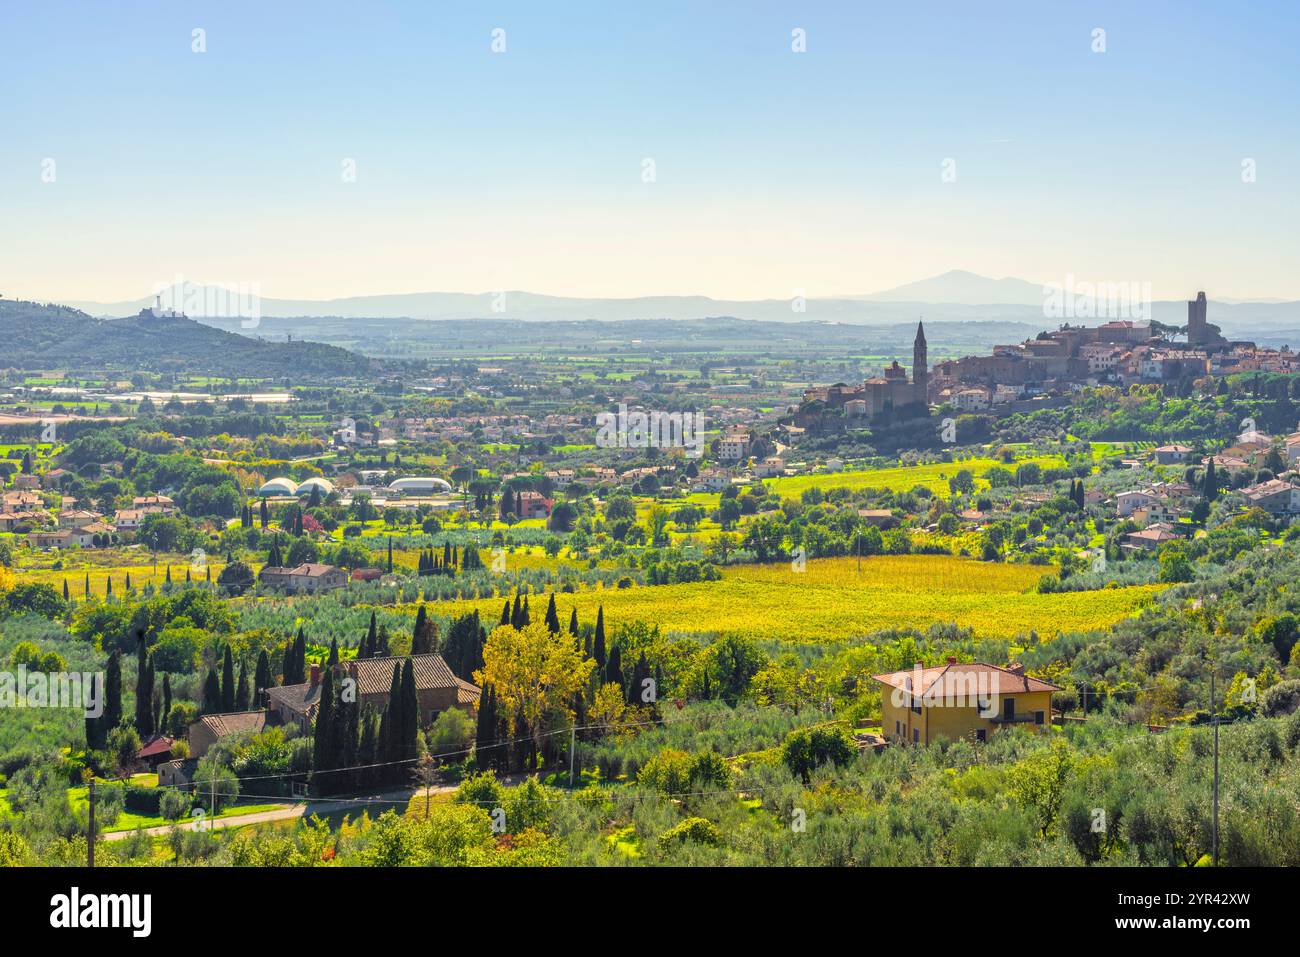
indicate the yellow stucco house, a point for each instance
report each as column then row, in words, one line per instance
column 952, row 700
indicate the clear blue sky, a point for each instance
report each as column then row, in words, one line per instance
column 775, row 171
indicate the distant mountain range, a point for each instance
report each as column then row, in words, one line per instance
column 38, row 335
column 955, row 296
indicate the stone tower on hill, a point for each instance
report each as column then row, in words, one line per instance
column 920, row 369
column 1197, row 331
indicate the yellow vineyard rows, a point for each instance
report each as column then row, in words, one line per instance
column 831, row 600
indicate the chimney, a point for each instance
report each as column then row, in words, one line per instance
column 315, row 675
column 952, row 660
column 1016, row 668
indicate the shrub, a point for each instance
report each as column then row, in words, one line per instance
column 1281, row 699
column 143, row 800
column 482, row 789
column 668, row 772
column 806, row 749
column 173, row 804
column 692, row 830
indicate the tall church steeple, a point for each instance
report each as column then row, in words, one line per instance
column 920, row 368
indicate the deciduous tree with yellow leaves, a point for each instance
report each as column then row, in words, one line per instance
column 536, row 675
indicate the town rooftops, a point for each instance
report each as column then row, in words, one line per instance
column 955, row 679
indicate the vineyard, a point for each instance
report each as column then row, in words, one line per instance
column 830, row 600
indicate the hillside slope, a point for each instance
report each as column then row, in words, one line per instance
column 37, row 335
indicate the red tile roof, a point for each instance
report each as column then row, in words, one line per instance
column 954, row 680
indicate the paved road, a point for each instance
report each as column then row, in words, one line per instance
column 380, row 801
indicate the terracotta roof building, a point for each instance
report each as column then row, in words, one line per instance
column 961, row 700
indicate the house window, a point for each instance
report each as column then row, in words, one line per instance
column 981, row 734
column 898, row 728
column 1009, row 709
column 1038, row 717
column 916, row 735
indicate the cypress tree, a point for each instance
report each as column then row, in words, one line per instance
column 228, row 681
column 322, row 753
column 527, row 617
column 143, row 691
column 241, row 690
column 552, row 616
column 211, row 693
column 637, row 686
column 87, row 584
column 410, row 740
column 384, row 743
column 168, row 578
column 264, row 515
column 112, row 716
column 333, row 658
column 390, row 555
column 371, row 642
column 517, row 613
column 424, row 638
column 485, row 732
column 368, row 748
column 295, row 666
column 166, row 701
column 262, row 678
column 614, row 667
column 65, row 590
column 392, row 744
column 598, row 645
column 573, row 622
column 505, row 613
column 108, row 586
column 128, row 581
column 349, row 732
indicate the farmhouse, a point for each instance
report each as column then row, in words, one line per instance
column 961, row 701
column 879, row 517
column 436, row 687
column 1150, row 538
column 533, row 504
column 78, row 518
column 67, row 537
column 211, row 728
column 1274, row 496
column 308, row 577
column 20, row 521
column 1171, row 454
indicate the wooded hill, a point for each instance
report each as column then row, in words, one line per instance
column 39, row 335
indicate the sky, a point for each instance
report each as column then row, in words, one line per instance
column 646, row 149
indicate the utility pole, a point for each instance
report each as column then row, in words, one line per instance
column 1214, row 717
column 90, row 836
